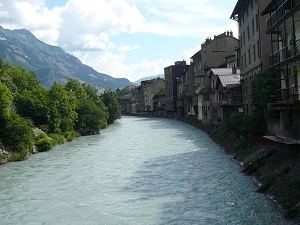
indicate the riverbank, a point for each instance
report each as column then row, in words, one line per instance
column 274, row 167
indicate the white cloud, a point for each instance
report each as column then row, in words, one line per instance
column 84, row 28
column 127, row 48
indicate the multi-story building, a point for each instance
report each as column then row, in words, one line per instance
column 151, row 87
column 254, row 49
column 172, row 74
column 283, row 25
column 213, row 54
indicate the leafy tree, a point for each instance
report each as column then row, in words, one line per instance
column 264, row 86
column 91, row 118
column 110, row 100
column 62, row 106
column 22, row 79
column 34, row 104
column 17, row 133
column 5, row 97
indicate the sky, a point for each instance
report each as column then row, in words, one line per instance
column 122, row 38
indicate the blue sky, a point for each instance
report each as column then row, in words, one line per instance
column 122, row 38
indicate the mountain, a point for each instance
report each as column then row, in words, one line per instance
column 50, row 63
column 138, row 82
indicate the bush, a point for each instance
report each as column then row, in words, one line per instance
column 44, row 144
column 19, row 156
column 17, row 134
column 40, row 136
column 57, row 139
column 71, row 135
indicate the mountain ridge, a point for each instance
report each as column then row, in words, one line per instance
column 50, row 63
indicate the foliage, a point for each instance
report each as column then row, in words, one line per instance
column 17, row 133
column 34, row 105
column 264, row 85
column 57, row 139
column 65, row 110
column 62, row 106
column 44, row 144
column 71, row 135
column 110, row 100
column 5, row 97
column 19, row 156
column 91, row 118
column 125, row 91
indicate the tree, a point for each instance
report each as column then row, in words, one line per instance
column 264, row 86
column 5, row 97
column 17, row 134
column 110, row 100
column 62, row 106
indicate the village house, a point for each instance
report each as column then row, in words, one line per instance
column 254, row 47
column 159, row 102
column 128, row 104
column 283, row 25
column 147, row 91
column 224, row 87
column 211, row 55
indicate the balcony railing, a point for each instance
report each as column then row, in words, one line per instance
column 282, row 11
column 285, row 53
column 278, row 14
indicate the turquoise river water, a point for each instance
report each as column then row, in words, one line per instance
column 138, row 171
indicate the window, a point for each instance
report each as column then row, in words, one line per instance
column 258, row 49
column 257, row 21
column 245, row 60
column 248, row 33
column 254, row 55
column 244, row 38
column 249, row 56
column 253, row 28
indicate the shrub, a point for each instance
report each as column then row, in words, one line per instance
column 19, row 156
column 57, row 139
column 44, row 144
column 71, row 135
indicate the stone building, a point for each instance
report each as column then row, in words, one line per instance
column 213, row 54
column 254, row 48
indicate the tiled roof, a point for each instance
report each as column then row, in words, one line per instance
column 224, row 71
column 228, row 80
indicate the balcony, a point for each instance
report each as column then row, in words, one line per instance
column 284, row 54
column 287, row 99
column 283, row 11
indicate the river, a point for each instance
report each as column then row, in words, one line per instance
column 138, row 171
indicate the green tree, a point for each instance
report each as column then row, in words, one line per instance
column 264, row 86
column 5, row 97
column 17, row 134
column 62, row 106
column 110, row 100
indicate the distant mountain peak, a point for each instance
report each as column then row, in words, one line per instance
column 50, row 63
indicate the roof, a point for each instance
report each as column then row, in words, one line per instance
column 240, row 5
column 224, row 71
column 230, row 80
column 160, row 93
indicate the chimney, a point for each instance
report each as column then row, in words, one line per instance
column 233, row 69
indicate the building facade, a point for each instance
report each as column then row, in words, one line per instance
column 283, row 25
column 213, row 54
column 172, row 74
column 254, row 48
